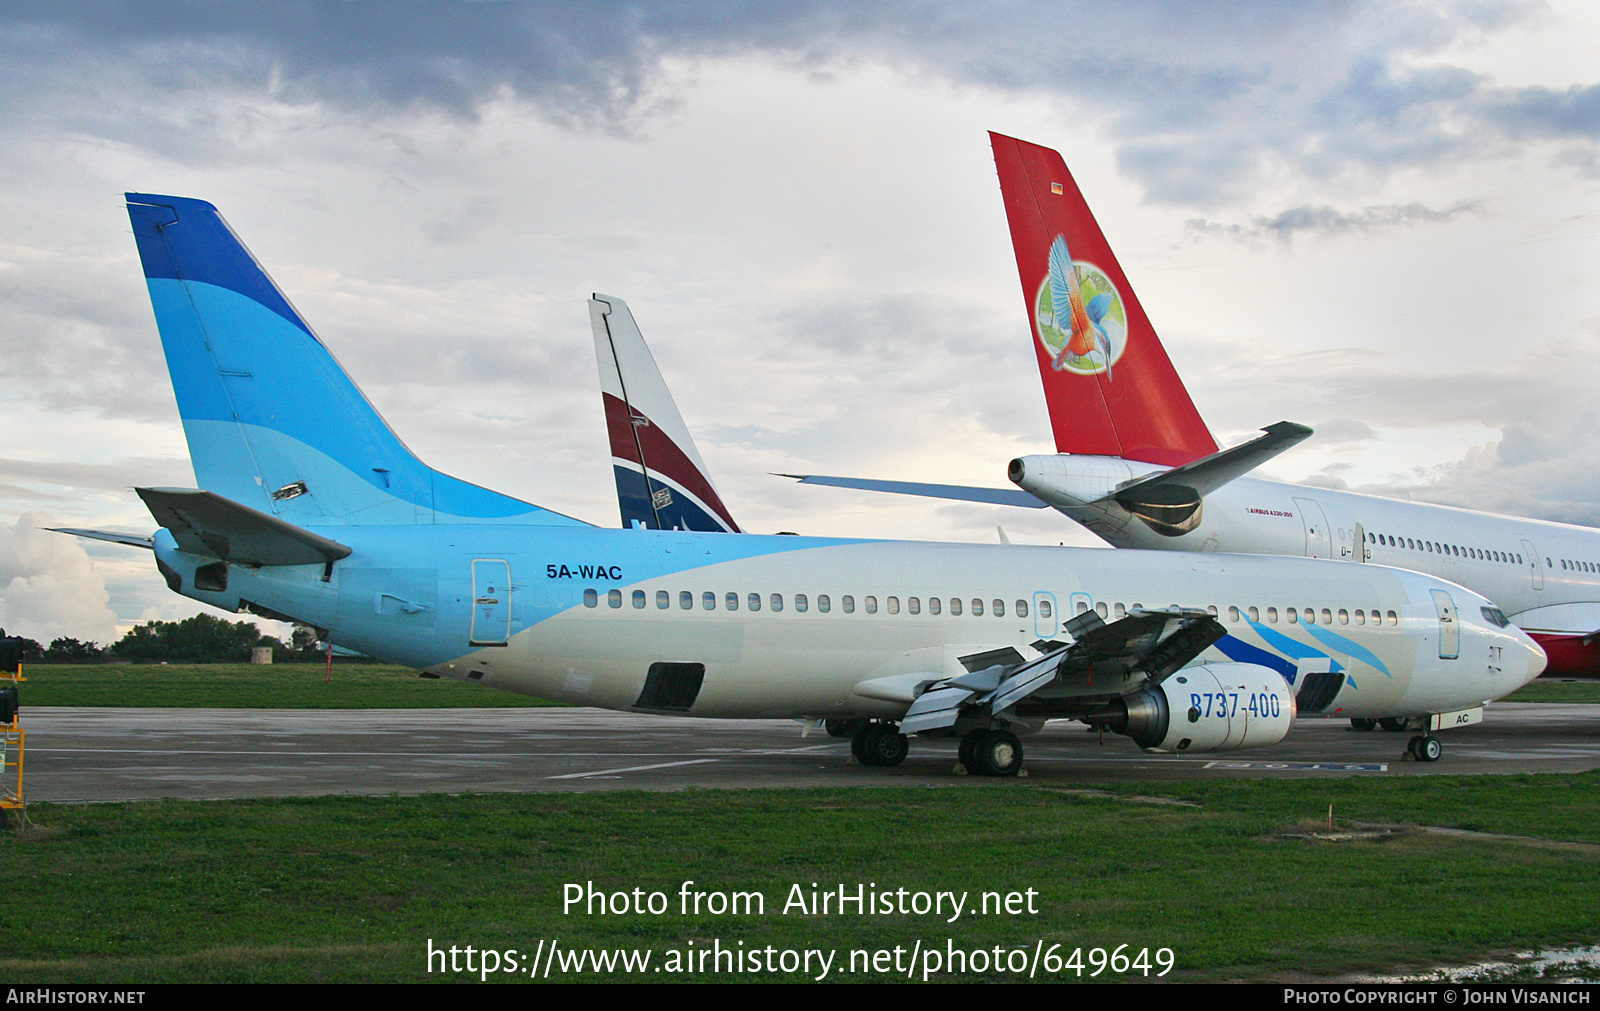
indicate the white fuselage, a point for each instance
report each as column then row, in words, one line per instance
column 1544, row 576
column 834, row 614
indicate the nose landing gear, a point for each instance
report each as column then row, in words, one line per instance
column 1425, row 748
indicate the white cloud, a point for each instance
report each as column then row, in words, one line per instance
column 48, row 586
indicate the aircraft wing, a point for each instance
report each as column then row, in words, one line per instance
column 133, row 540
column 205, row 523
column 1145, row 648
column 960, row 493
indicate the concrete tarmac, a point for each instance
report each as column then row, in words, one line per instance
column 115, row 754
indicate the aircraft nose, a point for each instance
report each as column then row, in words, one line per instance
column 1537, row 660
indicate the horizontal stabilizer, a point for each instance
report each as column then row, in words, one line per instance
column 204, row 523
column 960, row 493
column 1207, row 474
column 132, row 540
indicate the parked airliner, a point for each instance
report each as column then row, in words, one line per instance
column 1136, row 464
column 310, row 509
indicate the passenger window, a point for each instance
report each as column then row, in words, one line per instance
column 1044, row 608
column 777, row 601
column 591, row 598
column 663, row 601
column 638, row 598
column 800, row 602
column 1022, row 608
column 1233, row 613
column 1361, row 616
column 1394, row 619
column 870, row 604
column 686, row 600
column 1254, row 613
column 849, row 603
column 1211, row 609
column 1344, row 616
column 955, row 605
column 753, row 602
column 708, row 600
column 913, row 605
column 1327, row 616
column 1272, row 615
column 894, row 605
column 731, row 601
column 1083, row 605
column 999, row 608
column 1118, row 610
column 1100, row 608
column 1294, row 616
column 614, row 598
column 977, row 608
column 823, row 603
column 934, row 604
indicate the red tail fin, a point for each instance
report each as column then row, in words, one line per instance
column 1110, row 387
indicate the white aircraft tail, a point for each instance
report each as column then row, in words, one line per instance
column 662, row 484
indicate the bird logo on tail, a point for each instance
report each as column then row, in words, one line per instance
column 1085, row 336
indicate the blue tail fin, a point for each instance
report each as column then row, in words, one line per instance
column 272, row 420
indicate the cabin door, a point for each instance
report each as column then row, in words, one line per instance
column 1535, row 566
column 1318, row 540
column 1449, row 628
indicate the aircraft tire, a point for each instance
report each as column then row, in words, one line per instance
column 1362, row 723
column 879, row 744
column 1393, row 724
column 1426, row 748
column 994, row 753
column 964, row 750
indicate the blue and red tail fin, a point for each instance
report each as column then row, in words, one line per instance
column 1109, row 385
column 662, row 483
column 273, row 422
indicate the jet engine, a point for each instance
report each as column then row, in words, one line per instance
column 1212, row 707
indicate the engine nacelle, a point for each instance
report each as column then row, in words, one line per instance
column 1214, row 707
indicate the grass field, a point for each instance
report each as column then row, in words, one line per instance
column 1557, row 691
column 359, row 686
column 256, row 686
column 349, row 889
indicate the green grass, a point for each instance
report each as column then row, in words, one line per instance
column 1557, row 691
column 350, row 889
column 256, row 686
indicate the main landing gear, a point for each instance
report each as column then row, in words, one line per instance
column 879, row 744
column 983, row 752
column 991, row 753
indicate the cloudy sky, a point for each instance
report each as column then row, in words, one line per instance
column 1378, row 218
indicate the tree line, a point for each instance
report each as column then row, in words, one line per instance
column 200, row 639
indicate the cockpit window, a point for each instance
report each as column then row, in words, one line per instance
column 1494, row 616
